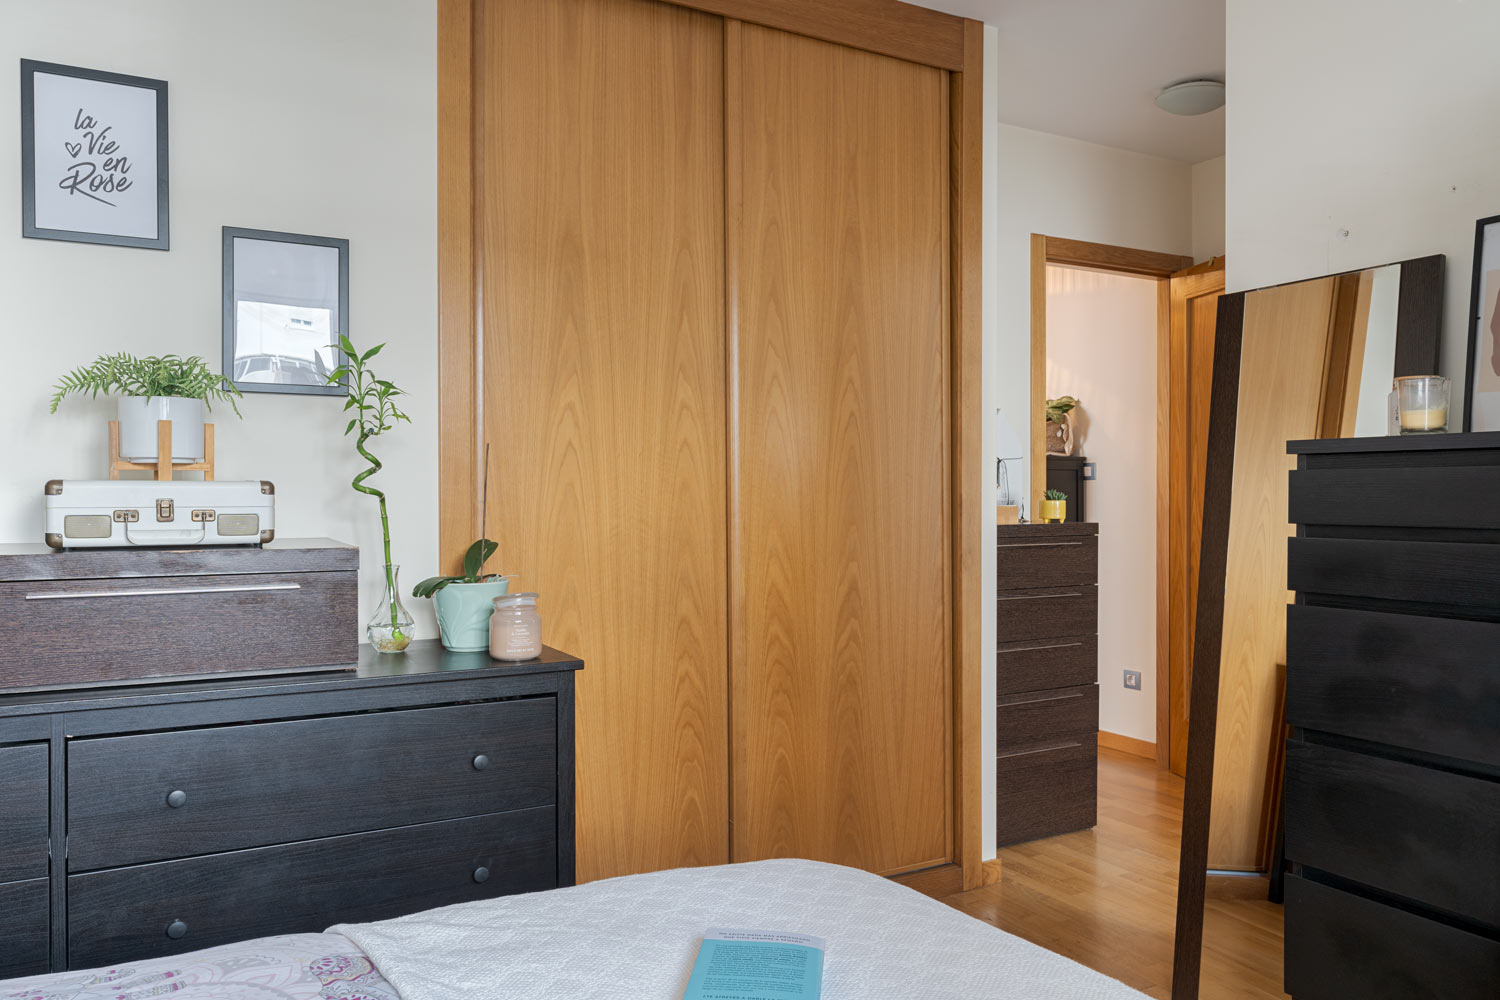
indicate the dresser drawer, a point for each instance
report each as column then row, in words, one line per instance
column 1414, row 831
column 1426, row 684
column 175, row 906
column 269, row 783
column 23, row 928
column 1453, row 497
column 1047, row 562
column 23, row 812
column 1339, row 945
column 1042, row 718
column 1040, row 664
column 78, row 632
column 1460, row 575
column 1041, row 793
column 1047, row 613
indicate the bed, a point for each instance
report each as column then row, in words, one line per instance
column 631, row 938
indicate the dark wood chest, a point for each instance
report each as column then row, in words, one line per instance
column 1046, row 679
column 1392, row 793
column 144, row 821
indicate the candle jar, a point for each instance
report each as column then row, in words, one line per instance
column 1423, row 403
column 516, row 628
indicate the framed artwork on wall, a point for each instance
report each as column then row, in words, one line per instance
column 1482, row 398
column 286, row 304
column 93, row 156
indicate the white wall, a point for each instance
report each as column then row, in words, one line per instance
column 1371, row 116
column 1208, row 209
column 1101, row 349
column 304, row 117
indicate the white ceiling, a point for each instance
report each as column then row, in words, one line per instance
column 1091, row 69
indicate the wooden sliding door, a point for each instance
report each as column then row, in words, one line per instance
column 840, row 546
column 599, row 223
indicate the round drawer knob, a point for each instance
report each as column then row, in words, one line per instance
column 177, row 930
column 177, row 799
column 481, row 762
column 481, row 874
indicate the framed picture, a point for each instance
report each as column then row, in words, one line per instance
column 1482, row 398
column 286, row 304
column 93, row 156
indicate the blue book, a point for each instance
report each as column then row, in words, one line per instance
column 757, row 965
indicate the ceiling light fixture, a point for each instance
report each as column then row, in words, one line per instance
column 1192, row 97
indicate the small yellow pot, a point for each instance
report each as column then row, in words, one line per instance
column 1055, row 510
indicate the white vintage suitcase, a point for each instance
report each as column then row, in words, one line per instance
column 117, row 513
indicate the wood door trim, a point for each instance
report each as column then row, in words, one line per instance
column 889, row 27
column 458, row 328
column 966, row 192
column 1120, row 259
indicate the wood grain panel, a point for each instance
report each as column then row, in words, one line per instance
column 23, row 819
column 1281, row 374
column 24, row 927
column 600, row 228
column 889, row 27
column 840, row 663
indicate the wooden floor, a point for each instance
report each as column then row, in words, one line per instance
column 1107, row 897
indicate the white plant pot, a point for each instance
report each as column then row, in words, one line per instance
column 138, row 417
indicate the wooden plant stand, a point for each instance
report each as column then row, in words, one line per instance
column 164, row 466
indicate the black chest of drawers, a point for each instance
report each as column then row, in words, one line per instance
column 145, row 821
column 1392, row 793
column 1046, row 680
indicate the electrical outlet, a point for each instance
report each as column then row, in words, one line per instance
column 1133, row 679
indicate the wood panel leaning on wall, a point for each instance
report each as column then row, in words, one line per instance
column 725, row 280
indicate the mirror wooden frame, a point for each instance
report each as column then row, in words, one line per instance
column 1419, row 315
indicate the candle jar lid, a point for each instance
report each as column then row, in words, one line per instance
column 515, row 601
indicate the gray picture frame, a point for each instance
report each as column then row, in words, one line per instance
column 29, row 228
column 340, row 328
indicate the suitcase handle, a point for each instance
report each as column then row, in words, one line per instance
column 165, row 591
column 167, row 537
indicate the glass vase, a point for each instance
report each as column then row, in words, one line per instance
column 390, row 631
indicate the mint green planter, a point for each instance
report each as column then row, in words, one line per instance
column 463, row 613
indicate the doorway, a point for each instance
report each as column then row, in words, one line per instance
column 1186, row 298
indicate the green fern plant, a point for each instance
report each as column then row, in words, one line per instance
column 166, row 375
column 1059, row 408
column 1054, row 495
column 374, row 399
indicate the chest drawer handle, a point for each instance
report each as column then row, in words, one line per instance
column 177, row 798
column 249, row 588
column 1035, row 597
column 481, row 762
column 481, row 874
column 1036, row 545
column 177, row 930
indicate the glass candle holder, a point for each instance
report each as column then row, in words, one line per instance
column 516, row 628
column 1422, row 401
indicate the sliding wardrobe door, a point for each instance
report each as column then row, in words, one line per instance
column 837, row 209
column 599, row 230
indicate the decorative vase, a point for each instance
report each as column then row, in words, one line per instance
column 463, row 613
column 1054, row 510
column 390, row 631
column 138, row 416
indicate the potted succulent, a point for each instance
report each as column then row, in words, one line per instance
column 1054, row 506
column 390, row 631
column 1060, row 425
column 464, row 603
column 152, row 389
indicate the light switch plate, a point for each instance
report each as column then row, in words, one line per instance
column 1133, row 679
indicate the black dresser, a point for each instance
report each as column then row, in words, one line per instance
column 1046, row 680
column 1392, row 796
column 144, row 821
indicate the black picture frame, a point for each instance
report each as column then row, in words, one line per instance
column 29, row 227
column 1476, row 314
column 339, row 330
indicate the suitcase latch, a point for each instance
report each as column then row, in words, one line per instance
column 164, row 510
column 126, row 516
column 202, row 515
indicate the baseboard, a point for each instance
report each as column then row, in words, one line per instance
column 1127, row 744
column 943, row 880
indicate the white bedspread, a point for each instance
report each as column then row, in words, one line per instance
column 635, row 938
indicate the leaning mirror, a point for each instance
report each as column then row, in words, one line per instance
column 286, row 304
column 1306, row 360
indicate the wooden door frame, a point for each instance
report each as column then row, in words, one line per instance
column 1140, row 263
column 887, row 27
